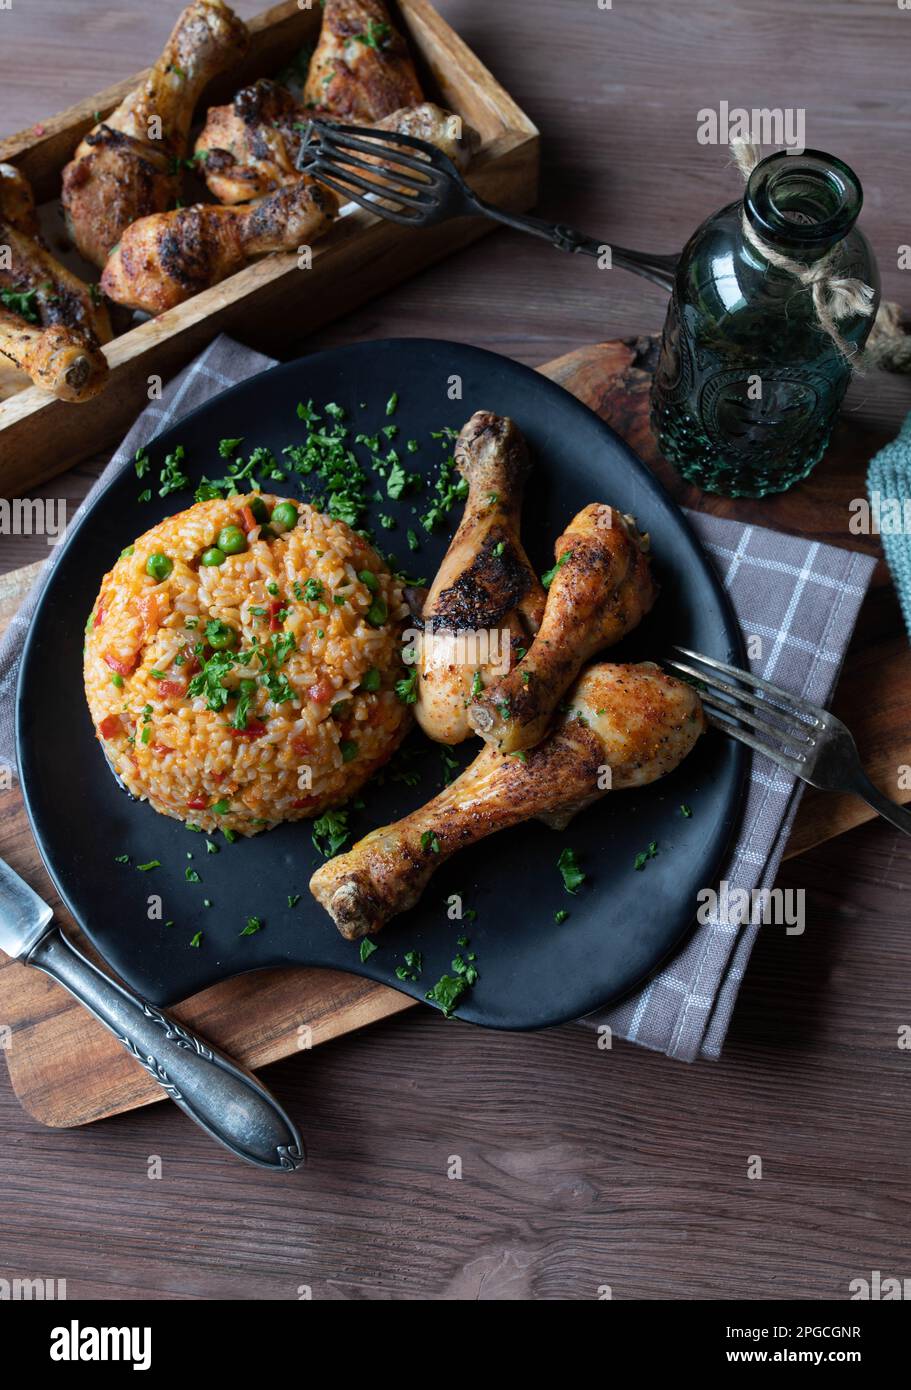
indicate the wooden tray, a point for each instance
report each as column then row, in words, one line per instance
column 272, row 301
column 66, row 1070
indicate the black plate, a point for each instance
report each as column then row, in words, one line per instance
column 532, row 971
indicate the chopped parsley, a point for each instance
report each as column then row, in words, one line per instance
column 21, row 302
column 366, row 950
column 548, row 578
column 430, row 842
column 573, row 877
column 645, row 855
column 330, row 832
column 254, row 924
column 407, row 688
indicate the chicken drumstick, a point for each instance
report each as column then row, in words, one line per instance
column 168, row 257
column 62, row 360
column 128, row 165
column 360, row 70
column 601, row 587
column 250, row 147
column 634, row 720
column 485, row 594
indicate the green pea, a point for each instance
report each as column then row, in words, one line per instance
column 259, row 509
column 158, row 566
column 232, row 540
column 285, row 515
column 214, row 556
column 378, row 612
column 369, row 578
column 220, row 635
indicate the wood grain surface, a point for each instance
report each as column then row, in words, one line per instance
column 579, row 1167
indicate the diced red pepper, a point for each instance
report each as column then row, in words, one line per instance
column 110, row 726
column 255, row 729
column 198, row 803
column 99, row 616
column 123, row 668
column 249, row 519
column 303, row 802
column 172, row 690
column 301, row 746
column 161, row 749
column 321, row 692
column 275, row 607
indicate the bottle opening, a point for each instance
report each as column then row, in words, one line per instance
column 807, row 201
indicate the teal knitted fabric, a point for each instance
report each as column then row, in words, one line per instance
column 889, row 491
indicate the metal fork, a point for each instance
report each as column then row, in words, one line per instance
column 422, row 188
column 805, row 740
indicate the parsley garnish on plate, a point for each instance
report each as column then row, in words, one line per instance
column 254, row 924
column 367, row 948
column 573, row 877
column 645, row 855
column 330, row 832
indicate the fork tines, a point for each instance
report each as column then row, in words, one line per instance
column 405, row 183
column 791, row 723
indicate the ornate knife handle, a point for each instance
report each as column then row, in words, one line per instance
column 224, row 1100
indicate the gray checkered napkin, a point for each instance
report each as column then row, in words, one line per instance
column 815, row 589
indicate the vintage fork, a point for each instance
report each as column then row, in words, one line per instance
column 805, row 740
column 423, row 188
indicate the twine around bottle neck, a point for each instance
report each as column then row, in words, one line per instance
column 835, row 297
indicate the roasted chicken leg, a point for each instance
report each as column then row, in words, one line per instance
column 38, row 293
column 601, row 587
column 361, row 69
column 168, row 257
column 17, row 202
column 62, row 360
column 633, row 720
column 250, row 147
column 485, row 604
column 52, row 293
column 128, row 165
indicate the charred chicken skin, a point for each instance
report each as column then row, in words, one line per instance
column 250, row 147
column 486, row 603
column 634, row 720
column 361, row 70
column 127, row 167
column 164, row 259
column 601, row 587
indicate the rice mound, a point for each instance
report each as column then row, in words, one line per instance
column 316, row 621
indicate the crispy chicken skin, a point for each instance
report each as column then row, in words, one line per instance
column 17, row 202
column 601, row 588
column 250, row 147
column 164, row 259
column 125, row 168
column 485, row 585
column 361, row 69
column 62, row 360
column 635, row 720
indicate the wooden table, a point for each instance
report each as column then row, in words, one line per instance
column 580, row 1167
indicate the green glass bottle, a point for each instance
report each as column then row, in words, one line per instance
column 748, row 381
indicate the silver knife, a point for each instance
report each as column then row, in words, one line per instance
column 225, row 1100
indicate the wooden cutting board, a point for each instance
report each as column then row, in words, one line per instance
column 67, row 1070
